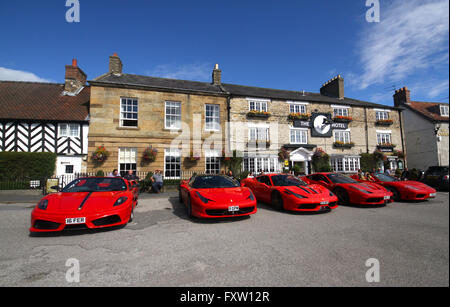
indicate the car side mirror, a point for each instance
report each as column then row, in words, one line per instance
column 55, row 187
column 322, row 182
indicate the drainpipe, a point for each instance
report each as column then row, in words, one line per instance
column 366, row 130
column 405, row 164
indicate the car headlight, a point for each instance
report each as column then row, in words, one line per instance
column 411, row 187
column 120, row 201
column 202, row 198
column 361, row 190
column 43, row 204
column 289, row 192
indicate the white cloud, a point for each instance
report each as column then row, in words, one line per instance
column 412, row 36
column 7, row 74
column 197, row 71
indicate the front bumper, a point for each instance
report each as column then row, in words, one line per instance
column 49, row 222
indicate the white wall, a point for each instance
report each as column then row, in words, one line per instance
column 420, row 141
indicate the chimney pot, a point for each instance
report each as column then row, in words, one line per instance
column 75, row 78
column 115, row 64
column 216, row 75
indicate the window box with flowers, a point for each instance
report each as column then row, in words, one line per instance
column 258, row 114
column 342, row 119
column 299, row 116
column 193, row 157
column 100, row 154
column 339, row 144
column 149, row 154
column 386, row 146
column 384, row 122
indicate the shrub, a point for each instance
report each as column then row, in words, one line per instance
column 26, row 165
column 100, row 173
column 321, row 161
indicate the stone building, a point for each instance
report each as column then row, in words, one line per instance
column 426, row 130
column 302, row 122
column 182, row 121
column 192, row 124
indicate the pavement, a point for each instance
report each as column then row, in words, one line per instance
column 163, row 247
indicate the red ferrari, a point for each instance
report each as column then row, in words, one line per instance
column 350, row 191
column 215, row 196
column 290, row 193
column 402, row 190
column 94, row 202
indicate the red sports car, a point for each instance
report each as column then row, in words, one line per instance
column 290, row 193
column 94, row 202
column 350, row 191
column 402, row 190
column 215, row 196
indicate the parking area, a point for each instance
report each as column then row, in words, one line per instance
column 162, row 247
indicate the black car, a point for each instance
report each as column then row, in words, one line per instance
column 437, row 177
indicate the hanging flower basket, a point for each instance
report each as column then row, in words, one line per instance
column 100, row 154
column 149, row 154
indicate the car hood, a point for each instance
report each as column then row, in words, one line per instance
column 93, row 202
column 309, row 190
column 368, row 186
column 227, row 195
column 415, row 184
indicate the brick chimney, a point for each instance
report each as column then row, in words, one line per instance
column 115, row 64
column 402, row 96
column 75, row 78
column 333, row 88
column 217, row 75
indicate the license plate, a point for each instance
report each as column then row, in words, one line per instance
column 387, row 197
column 75, row 220
column 432, row 194
column 233, row 208
column 324, row 203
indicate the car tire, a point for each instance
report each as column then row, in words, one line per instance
column 189, row 207
column 277, row 201
column 396, row 196
column 130, row 219
column 180, row 198
column 342, row 195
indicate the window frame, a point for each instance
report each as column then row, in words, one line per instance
column 177, row 104
column 443, row 107
column 176, row 153
column 345, row 132
column 209, row 155
column 122, row 112
column 304, row 133
column 216, row 119
column 129, row 164
column 68, row 130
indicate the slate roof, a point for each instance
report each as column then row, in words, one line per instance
column 146, row 82
column 429, row 110
column 42, row 101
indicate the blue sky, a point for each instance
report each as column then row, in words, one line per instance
column 295, row 45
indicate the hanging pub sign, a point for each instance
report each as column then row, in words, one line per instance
column 321, row 125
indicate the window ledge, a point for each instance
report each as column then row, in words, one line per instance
column 128, row 128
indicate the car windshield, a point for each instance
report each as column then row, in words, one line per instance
column 286, row 181
column 338, row 178
column 208, row 182
column 385, row 178
column 95, row 185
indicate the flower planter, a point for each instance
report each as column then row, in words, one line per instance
column 343, row 145
column 253, row 114
column 384, row 122
column 299, row 116
column 342, row 119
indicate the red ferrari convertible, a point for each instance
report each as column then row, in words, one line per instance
column 290, row 193
column 350, row 191
column 94, row 202
column 402, row 190
column 214, row 196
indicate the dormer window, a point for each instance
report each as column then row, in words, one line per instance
column 444, row 110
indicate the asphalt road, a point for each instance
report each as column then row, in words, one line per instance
column 161, row 247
